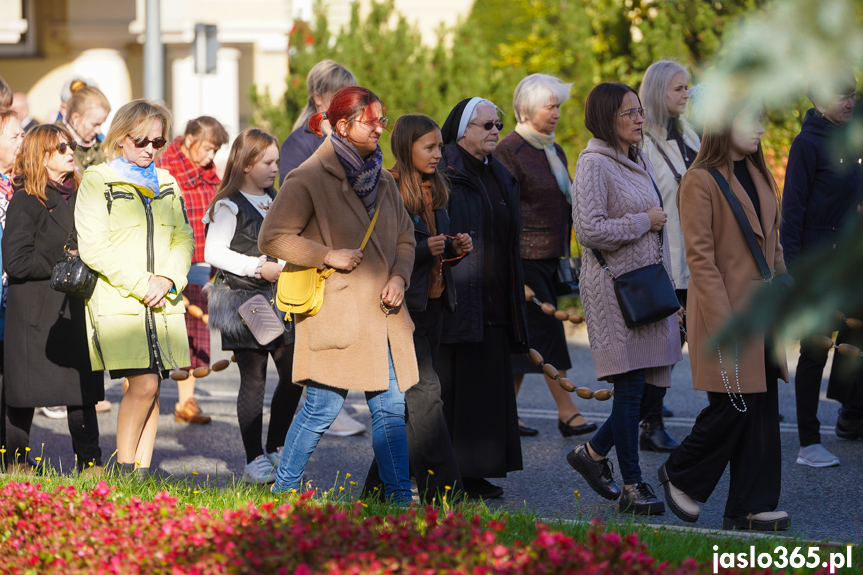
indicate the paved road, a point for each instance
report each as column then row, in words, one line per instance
column 823, row 503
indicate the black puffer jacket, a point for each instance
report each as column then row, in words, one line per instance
column 821, row 189
column 466, row 214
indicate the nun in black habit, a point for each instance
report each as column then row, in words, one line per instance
column 490, row 318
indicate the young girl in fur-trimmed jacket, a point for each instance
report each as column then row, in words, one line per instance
column 234, row 220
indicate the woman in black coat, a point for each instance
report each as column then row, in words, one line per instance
column 474, row 365
column 47, row 361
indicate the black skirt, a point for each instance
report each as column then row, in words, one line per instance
column 544, row 332
column 479, row 404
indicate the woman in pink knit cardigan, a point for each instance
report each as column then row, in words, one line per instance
column 616, row 210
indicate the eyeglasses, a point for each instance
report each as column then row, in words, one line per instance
column 61, row 147
column 144, row 142
column 633, row 112
column 489, row 125
column 374, row 122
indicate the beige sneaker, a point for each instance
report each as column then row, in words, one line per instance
column 678, row 501
column 103, row 406
column 764, row 521
column 345, row 426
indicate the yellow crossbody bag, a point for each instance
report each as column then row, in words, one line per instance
column 301, row 291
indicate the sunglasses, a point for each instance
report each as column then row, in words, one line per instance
column 634, row 112
column 489, row 125
column 61, row 147
column 144, row 142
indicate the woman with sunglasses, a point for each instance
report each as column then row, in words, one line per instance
column 361, row 339
column 616, row 213
column 475, row 366
column 45, row 329
column 134, row 233
column 417, row 143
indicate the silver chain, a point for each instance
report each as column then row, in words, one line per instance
column 725, row 381
column 157, row 347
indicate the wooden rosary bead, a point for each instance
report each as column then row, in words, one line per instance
column 848, row 349
column 206, row 319
column 199, row 372
column 548, row 308
column 535, row 357
column 221, row 364
column 179, row 375
column 195, row 311
column 584, row 392
column 576, row 318
column 566, row 384
column 551, row 371
column 602, row 394
column 561, row 315
column 822, row 341
column 854, row 323
column 185, row 301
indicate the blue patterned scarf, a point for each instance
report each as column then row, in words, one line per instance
column 362, row 175
column 144, row 178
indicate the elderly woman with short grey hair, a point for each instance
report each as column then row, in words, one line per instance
column 474, row 365
column 539, row 164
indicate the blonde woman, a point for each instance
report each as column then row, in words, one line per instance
column 671, row 145
column 133, row 231
column 86, row 111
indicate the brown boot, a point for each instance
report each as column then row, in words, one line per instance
column 191, row 413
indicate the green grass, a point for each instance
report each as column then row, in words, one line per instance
column 664, row 543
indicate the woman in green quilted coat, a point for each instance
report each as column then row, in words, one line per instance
column 134, row 233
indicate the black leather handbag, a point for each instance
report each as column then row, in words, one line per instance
column 71, row 275
column 645, row 295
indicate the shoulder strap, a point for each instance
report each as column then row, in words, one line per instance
column 745, row 227
column 371, row 227
column 665, row 157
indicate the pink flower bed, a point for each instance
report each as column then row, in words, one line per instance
column 94, row 532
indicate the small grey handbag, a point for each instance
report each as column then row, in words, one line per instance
column 258, row 315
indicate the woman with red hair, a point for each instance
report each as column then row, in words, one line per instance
column 360, row 339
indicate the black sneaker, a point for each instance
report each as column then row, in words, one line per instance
column 598, row 474
column 849, row 428
column 640, row 500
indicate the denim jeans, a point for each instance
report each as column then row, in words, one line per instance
column 389, row 438
column 633, row 399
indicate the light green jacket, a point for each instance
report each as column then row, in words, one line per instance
column 126, row 242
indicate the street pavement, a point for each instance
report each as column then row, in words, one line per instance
column 824, row 504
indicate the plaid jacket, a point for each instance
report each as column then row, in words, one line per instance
column 198, row 186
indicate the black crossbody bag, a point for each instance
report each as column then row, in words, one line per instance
column 745, row 227
column 645, row 295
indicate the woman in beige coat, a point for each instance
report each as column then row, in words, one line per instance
column 361, row 338
column 740, row 425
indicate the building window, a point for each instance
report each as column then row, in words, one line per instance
column 18, row 32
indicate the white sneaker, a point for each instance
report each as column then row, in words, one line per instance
column 345, row 425
column 57, row 412
column 259, row 471
column 276, row 457
column 816, row 456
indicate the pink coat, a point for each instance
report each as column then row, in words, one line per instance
column 610, row 196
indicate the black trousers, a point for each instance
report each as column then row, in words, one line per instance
column 807, row 390
column 748, row 441
column 432, row 458
column 250, row 399
column 83, row 427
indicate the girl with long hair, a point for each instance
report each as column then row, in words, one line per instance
column 234, row 221
column 416, row 144
column 740, row 425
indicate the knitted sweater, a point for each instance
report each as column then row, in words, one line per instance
column 610, row 196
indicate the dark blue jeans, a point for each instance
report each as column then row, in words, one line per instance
column 633, row 399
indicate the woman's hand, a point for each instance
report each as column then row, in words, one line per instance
column 393, row 293
column 270, row 271
column 657, row 218
column 462, row 244
column 437, row 244
column 157, row 290
column 345, row 260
